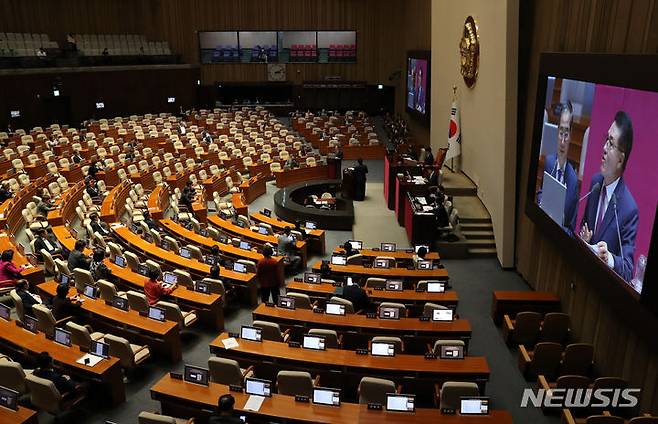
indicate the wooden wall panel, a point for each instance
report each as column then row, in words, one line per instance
column 614, row 26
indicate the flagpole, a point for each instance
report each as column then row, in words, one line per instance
column 454, row 98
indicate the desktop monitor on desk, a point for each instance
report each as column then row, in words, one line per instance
column 63, row 337
column 239, row 267
column 400, row 403
column 424, row 265
column 338, row 260
column 286, row 302
column 202, row 287
column 442, row 315
column 455, row 351
column 335, row 309
column 475, row 405
column 310, row 225
column 169, row 279
column 258, row 387
column 388, row 247
column 326, row 396
column 89, row 291
column 245, row 245
column 157, row 314
column 251, row 333
column 5, row 312
column 382, row 349
column 312, row 278
column 99, row 349
column 314, row 342
column 267, row 213
column 381, row 263
column 389, row 313
column 120, row 261
column 436, row 287
column 31, row 324
column 394, row 285
column 196, row 375
column 185, row 252
column 120, row 303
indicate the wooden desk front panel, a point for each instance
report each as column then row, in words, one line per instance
column 66, row 205
column 399, row 255
column 292, row 176
column 513, row 302
column 409, row 274
column 316, row 238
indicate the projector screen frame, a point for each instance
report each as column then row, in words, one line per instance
column 427, row 56
column 627, row 71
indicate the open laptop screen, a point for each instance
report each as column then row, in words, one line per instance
column 314, row 342
column 250, row 333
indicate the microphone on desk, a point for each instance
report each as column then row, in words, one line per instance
column 621, row 248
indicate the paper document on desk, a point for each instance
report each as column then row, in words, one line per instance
column 421, row 200
column 427, row 208
column 253, row 403
column 230, row 343
column 92, row 360
column 116, row 225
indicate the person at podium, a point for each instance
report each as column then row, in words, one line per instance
column 360, row 171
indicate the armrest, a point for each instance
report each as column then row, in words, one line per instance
column 340, row 341
column 437, row 394
column 286, row 335
column 524, row 359
column 398, row 388
column 63, row 320
column 359, row 312
column 141, row 348
column 249, row 371
column 316, row 382
column 541, row 381
column 190, row 421
column 567, row 418
column 508, row 328
column 429, row 348
column 402, row 346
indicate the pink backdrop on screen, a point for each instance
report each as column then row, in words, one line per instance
column 641, row 175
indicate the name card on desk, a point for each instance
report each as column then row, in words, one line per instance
column 375, row 406
column 362, row 351
column 294, row 344
column 371, row 315
column 303, row 399
column 230, row 343
column 424, row 318
column 253, row 403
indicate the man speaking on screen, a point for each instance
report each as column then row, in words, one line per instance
column 610, row 221
column 558, row 166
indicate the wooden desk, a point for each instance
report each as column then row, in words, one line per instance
column 399, row 255
column 246, row 233
column 357, row 329
column 21, row 416
column 291, row 176
column 36, row 170
column 407, row 297
column 158, row 202
column 345, row 368
column 253, row 188
column 66, row 204
column 240, row 204
column 316, row 238
column 114, row 203
column 169, row 259
column 161, row 337
column 404, row 273
column 208, row 306
column 11, row 218
column 107, row 374
column 513, row 302
column 181, row 399
column 404, row 185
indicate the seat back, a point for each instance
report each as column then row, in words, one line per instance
column 375, row 283
column 546, row 360
column 572, row 381
column 107, row 290
column 453, row 391
column 526, row 328
column 439, row 343
column 137, row 301
column 46, row 319
column 397, row 342
column 82, row 277
column 225, row 371
column 302, row 300
column 145, row 417
column 294, row 383
column 400, row 307
column 555, row 327
column 132, row 261
column 79, row 334
column 374, row 390
column 18, row 302
column 184, row 278
column 43, row 394
column 606, row 419
column 13, row 376
column 172, row 312
column 330, row 337
column 355, row 260
column 577, row 359
column 250, row 265
column 269, row 330
column 120, row 348
column 349, row 306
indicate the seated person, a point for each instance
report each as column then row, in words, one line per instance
column 349, row 250
column 28, row 299
column 99, row 227
column 357, row 296
column 9, row 272
column 77, row 157
column 291, row 163
column 42, row 241
column 77, row 258
column 419, row 256
column 91, row 189
column 62, row 306
column 97, row 267
column 63, row 383
column 149, row 221
column 214, row 272
column 44, row 206
column 226, row 413
column 154, row 290
column 5, row 192
column 286, row 246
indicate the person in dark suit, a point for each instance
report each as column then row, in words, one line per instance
column 63, row 383
column 77, row 259
column 360, row 172
column 611, row 216
column 22, row 287
column 98, row 227
column 62, row 306
column 43, row 242
column 357, row 296
column 558, row 166
column 77, row 157
column 433, row 177
column 5, row 192
column 226, row 413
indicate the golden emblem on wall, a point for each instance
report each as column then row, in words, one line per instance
column 469, row 50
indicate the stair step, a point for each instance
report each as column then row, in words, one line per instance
column 475, row 227
column 482, row 252
column 486, row 243
column 477, row 234
column 470, row 220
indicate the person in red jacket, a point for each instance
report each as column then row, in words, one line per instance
column 9, row 272
column 153, row 289
column 269, row 277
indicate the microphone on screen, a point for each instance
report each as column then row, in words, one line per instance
column 595, row 187
column 621, row 248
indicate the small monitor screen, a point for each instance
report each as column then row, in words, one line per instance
column 452, row 352
column 30, row 323
column 223, row 238
column 250, row 333
column 394, row 285
column 5, row 311
column 312, row 278
column 185, row 252
column 202, row 287
column 89, row 291
column 120, row 261
column 436, row 287
column 314, row 342
column 171, row 100
column 356, row 244
column 245, row 245
column 100, row 105
column 442, row 315
column 211, row 260
column 143, row 269
column 120, row 303
column 335, row 309
column 427, row 248
column 258, row 387
column 400, row 403
column 389, row 313
column 169, row 278
column 63, row 337
column 474, row 406
column 65, row 279
column 326, row 396
column 15, row 113
column 241, row 224
column 267, row 213
column 99, row 349
column 8, row 398
column 382, row 349
column 164, row 244
column 263, row 231
column 286, row 302
column 424, row 264
column 196, row 375
column 338, row 260
column 238, row 267
column 380, row 263
column 349, row 281
column 134, row 228
column 203, row 232
column 388, row 247
column 157, row 314
column 310, row 225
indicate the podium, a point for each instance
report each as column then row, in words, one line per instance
column 335, row 165
column 349, row 184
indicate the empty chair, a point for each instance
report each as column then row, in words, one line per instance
column 12, row 376
column 45, row 396
column 228, row 371
column 374, row 390
column 108, row 290
column 555, row 327
column 130, row 355
column 524, row 330
column 402, row 310
column 271, row 331
column 349, row 306
column 82, row 277
column 437, row 345
column 195, row 252
column 451, row 393
column 375, row 283
column 46, row 320
column 331, row 338
column 173, row 313
column 137, row 301
column 145, row 417
column 396, row 341
column 294, row 383
column 578, row 359
column 355, row 259
column 80, row 335
column 132, row 261
column 302, row 300
column 544, row 359
column 183, row 278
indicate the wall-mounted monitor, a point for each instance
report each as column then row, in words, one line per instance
column 418, row 84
